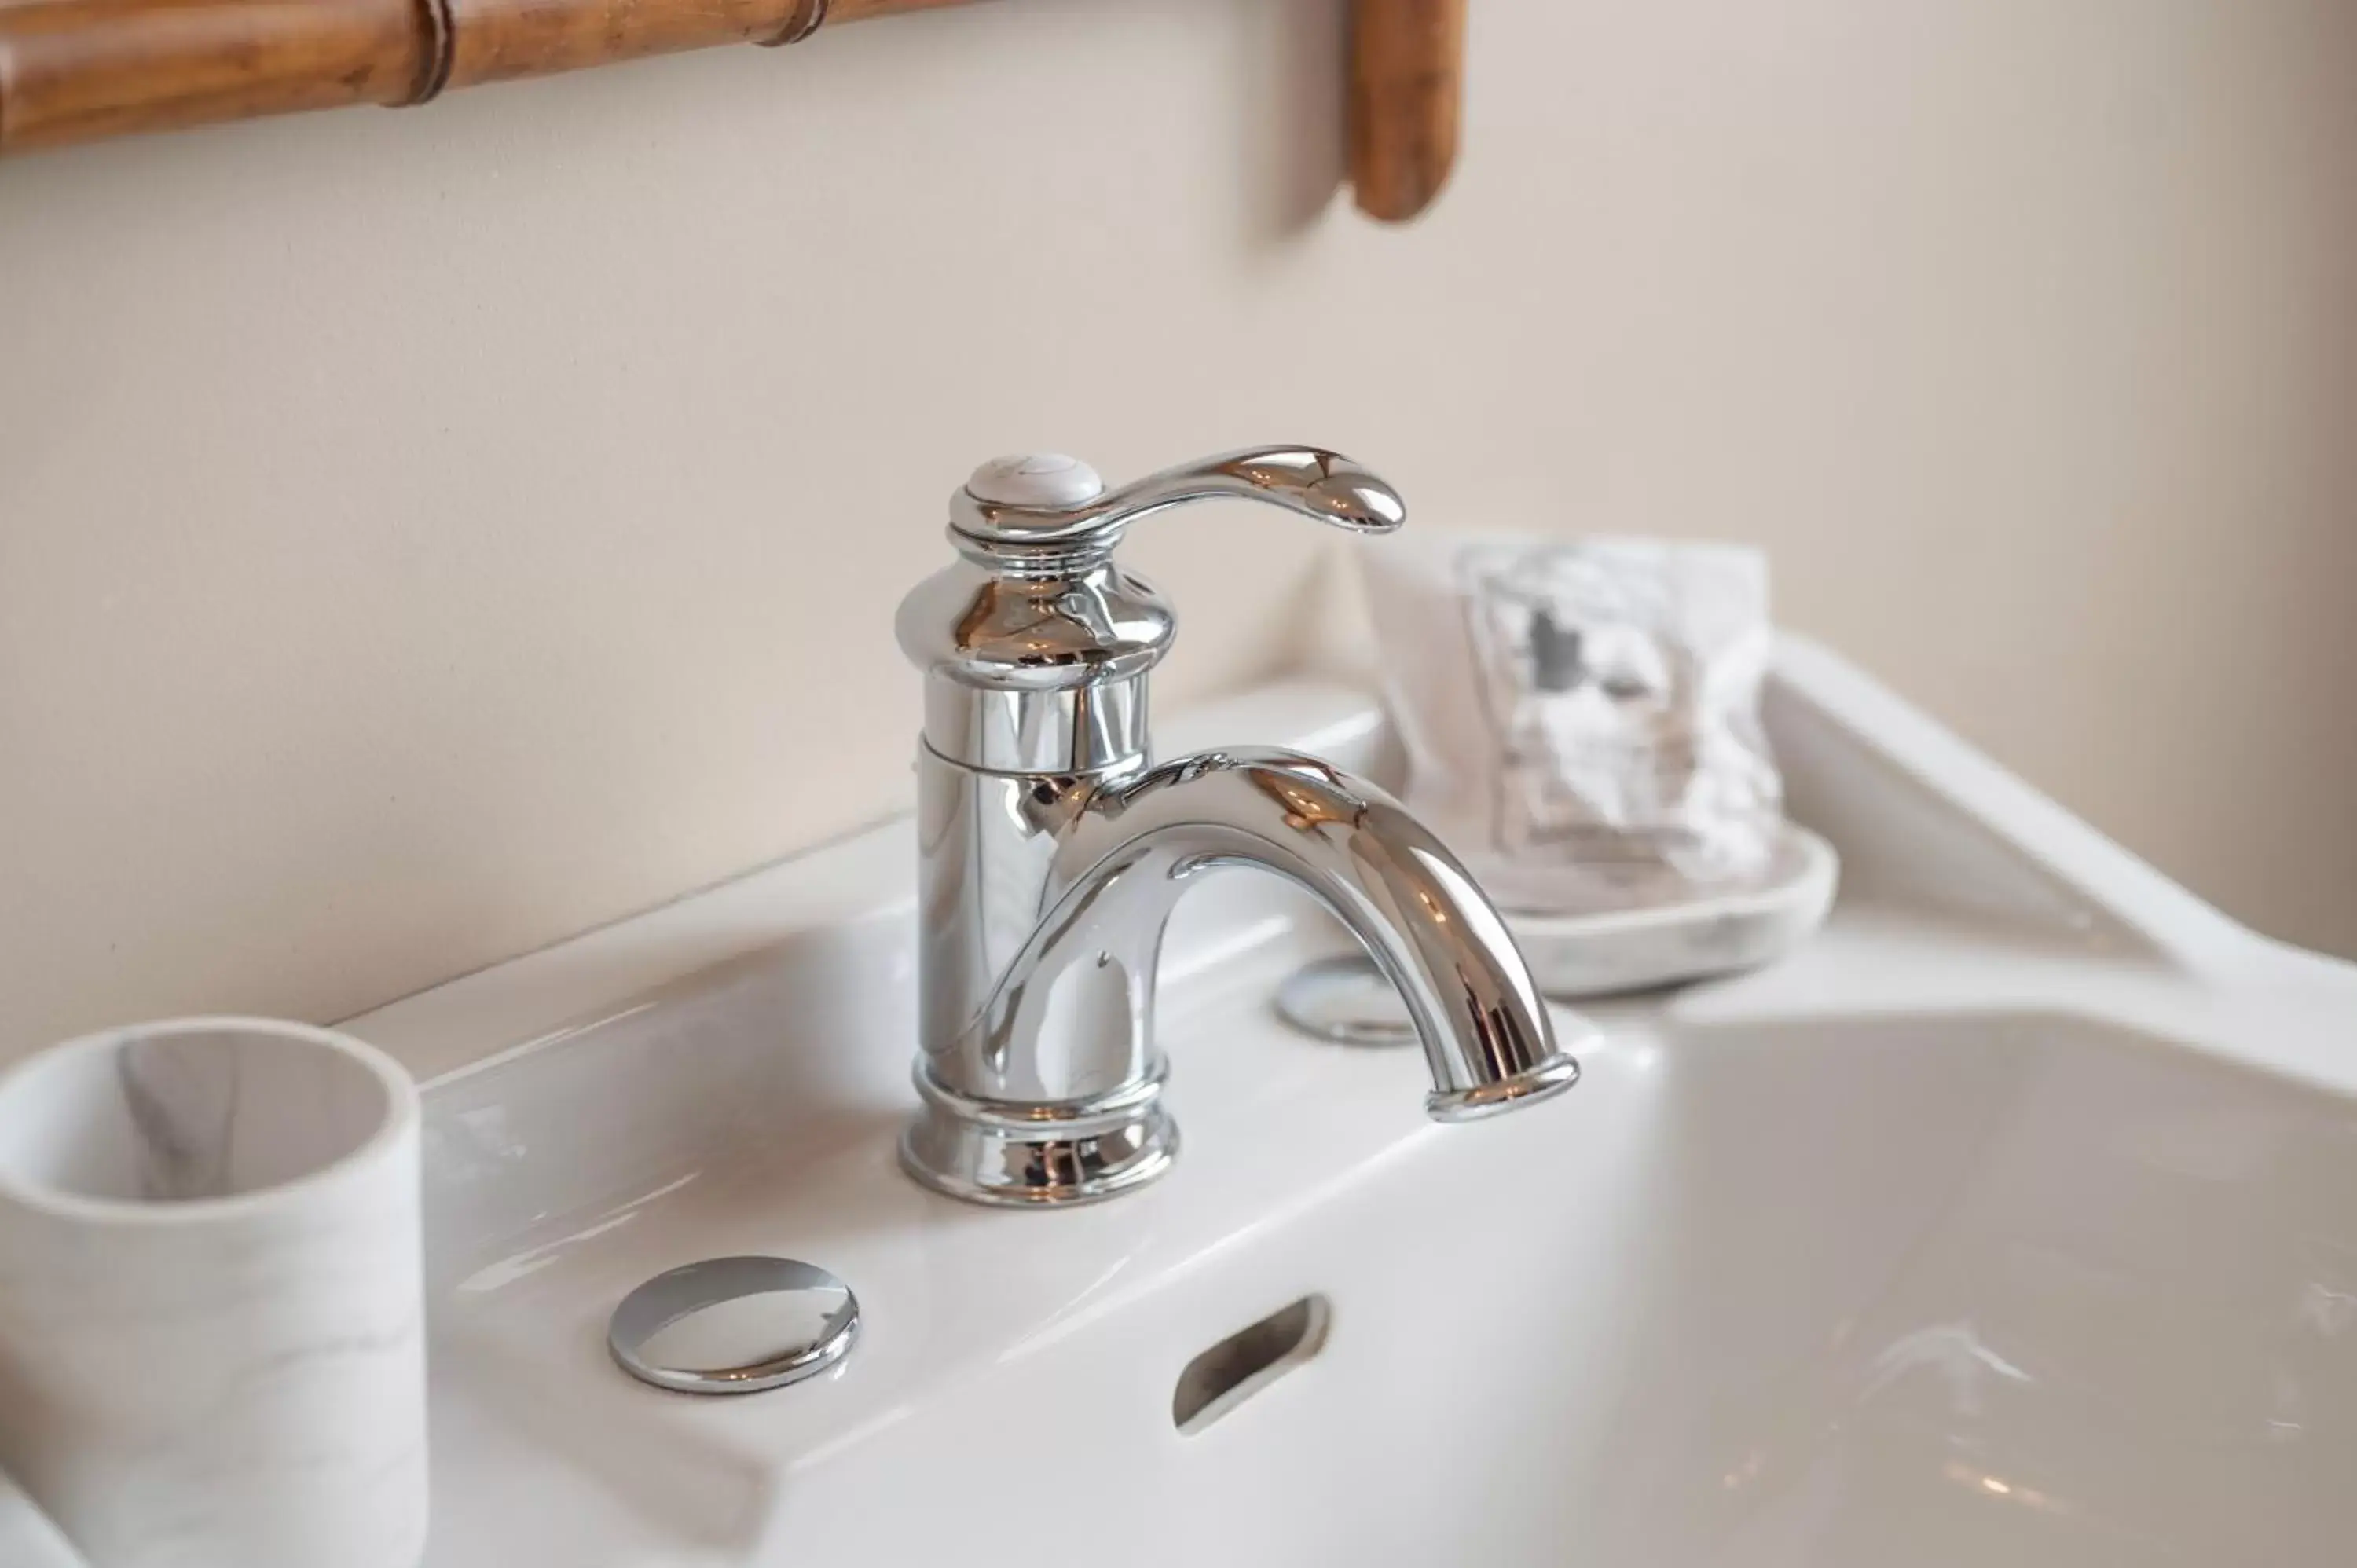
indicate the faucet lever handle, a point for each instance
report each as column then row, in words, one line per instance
column 1049, row 501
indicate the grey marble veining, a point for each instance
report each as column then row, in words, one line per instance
column 183, row 1108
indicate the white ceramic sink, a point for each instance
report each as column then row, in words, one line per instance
column 2013, row 1221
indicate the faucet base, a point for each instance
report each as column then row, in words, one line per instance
column 1071, row 1154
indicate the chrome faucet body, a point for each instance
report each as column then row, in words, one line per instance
column 1051, row 849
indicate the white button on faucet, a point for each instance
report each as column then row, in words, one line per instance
column 1045, row 481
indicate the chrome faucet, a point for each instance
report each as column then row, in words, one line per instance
column 1051, row 849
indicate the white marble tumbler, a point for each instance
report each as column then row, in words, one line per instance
column 212, row 1315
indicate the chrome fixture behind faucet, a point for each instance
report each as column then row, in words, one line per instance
column 1051, row 849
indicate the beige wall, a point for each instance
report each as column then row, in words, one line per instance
column 424, row 535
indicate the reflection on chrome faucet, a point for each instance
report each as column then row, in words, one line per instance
column 1052, row 850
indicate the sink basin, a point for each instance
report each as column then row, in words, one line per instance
column 2012, row 1220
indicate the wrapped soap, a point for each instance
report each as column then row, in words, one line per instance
column 1581, row 717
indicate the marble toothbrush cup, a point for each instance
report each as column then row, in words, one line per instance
column 211, row 1310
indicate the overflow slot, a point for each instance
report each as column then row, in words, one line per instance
column 1247, row 1361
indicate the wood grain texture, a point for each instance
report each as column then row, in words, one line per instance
column 77, row 70
column 498, row 40
column 1407, row 73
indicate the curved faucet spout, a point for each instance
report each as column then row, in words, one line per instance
column 1124, row 859
column 1050, row 853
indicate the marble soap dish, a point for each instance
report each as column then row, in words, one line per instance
column 1573, row 956
column 1347, row 1000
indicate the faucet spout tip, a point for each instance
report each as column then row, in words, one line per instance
column 1528, row 1086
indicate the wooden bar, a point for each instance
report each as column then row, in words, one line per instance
column 1407, row 74
column 77, row 70
column 498, row 40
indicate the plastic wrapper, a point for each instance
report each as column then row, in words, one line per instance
column 1582, row 717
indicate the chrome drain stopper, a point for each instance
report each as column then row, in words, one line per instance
column 735, row 1325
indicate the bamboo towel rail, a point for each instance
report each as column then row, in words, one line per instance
column 77, row 70
column 1407, row 73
